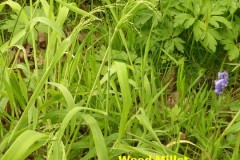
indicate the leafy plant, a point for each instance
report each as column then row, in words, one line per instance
column 118, row 78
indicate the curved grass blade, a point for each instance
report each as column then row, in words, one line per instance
column 48, row 22
column 13, row 41
column 24, row 145
column 16, row 8
column 76, row 9
column 67, row 95
column 95, row 129
column 69, row 99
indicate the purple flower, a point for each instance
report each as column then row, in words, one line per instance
column 222, row 82
column 223, row 74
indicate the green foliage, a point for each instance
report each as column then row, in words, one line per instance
column 25, row 144
column 119, row 78
column 208, row 20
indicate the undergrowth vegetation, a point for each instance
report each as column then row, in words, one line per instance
column 119, row 79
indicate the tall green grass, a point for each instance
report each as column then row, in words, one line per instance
column 125, row 78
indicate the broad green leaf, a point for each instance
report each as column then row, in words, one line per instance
column 123, row 79
column 25, row 144
column 62, row 16
column 189, row 22
column 199, row 29
column 222, row 20
column 142, row 16
column 187, row 5
column 169, row 45
column 227, row 41
column 216, row 34
column 178, row 43
column 213, row 22
column 98, row 138
column 181, row 18
column 228, row 45
column 219, row 9
column 234, row 6
column 232, row 50
column 210, row 42
column 196, row 8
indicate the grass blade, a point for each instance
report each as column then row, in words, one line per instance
column 95, row 129
column 126, row 96
column 24, row 145
column 65, row 44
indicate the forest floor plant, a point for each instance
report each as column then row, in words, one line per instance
column 119, row 80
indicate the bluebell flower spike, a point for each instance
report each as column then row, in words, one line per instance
column 222, row 82
column 222, row 75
